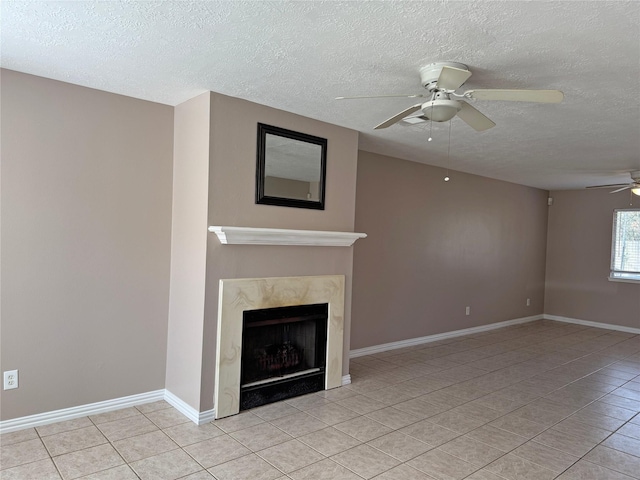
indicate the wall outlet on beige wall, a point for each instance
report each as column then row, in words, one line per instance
column 467, row 311
column 10, row 379
column 528, row 302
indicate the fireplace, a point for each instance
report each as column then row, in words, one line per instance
column 283, row 353
column 238, row 298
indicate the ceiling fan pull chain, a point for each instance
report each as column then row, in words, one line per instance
column 447, row 178
column 430, row 123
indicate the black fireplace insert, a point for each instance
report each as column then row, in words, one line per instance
column 283, row 353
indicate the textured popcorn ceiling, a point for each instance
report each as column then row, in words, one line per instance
column 298, row 56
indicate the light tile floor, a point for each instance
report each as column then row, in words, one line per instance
column 538, row 401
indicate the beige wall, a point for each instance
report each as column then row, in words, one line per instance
column 579, row 256
column 188, row 248
column 435, row 247
column 232, row 203
column 86, row 218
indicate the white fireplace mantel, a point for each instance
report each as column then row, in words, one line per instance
column 278, row 236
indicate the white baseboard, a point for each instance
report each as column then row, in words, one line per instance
column 589, row 323
column 199, row 418
column 54, row 416
column 346, row 379
column 439, row 336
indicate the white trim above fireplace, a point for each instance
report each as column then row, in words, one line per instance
column 278, row 236
column 239, row 295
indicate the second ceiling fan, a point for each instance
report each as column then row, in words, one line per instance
column 441, row 80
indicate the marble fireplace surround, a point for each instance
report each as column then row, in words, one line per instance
column 238, row 295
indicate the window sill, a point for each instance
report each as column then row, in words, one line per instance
column 628, row 279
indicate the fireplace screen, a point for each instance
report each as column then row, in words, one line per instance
column 283, row 353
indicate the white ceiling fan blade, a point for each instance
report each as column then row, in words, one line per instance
column 474, row 118
column 539, row 96
column 609, row 186
column 408, row 121
column 416, row 95
column 452, row 78
column 399, row 116
column 623, row 188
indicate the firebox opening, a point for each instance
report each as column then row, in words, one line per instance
column 283, row 353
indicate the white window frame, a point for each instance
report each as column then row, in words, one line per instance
column 620, row 275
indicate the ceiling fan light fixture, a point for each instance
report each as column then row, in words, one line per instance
column 441, row 110
column 636, row 191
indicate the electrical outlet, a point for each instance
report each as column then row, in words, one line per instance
column 528, row 302
column 467, row 311
column 10, row 379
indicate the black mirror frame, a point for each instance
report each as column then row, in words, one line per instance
column 263, row 199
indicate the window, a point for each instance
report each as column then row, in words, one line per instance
column 625, row 245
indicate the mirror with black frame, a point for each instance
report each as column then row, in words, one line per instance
column 291, row 168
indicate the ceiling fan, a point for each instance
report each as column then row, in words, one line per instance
column 634, row 185
column 441, row 80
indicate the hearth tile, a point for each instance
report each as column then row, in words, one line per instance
column 145, row 445
column 363, row 428
column 290, row 456
column 40, row 470
column 238, row 422
column 332, row 413
column 404, row 472
column 261, row 436
column 366, row 461
column 84, row 462
column 249, row 467
column 441, row 465
column 73, row 440
column 298, row 424
column 400, row 446
column 215, row 451
column 167, row 466
column 190, row 433
column 324, row 470
column 23, row 452
column 392, row 417
column 329, row 441
column 361, row 404
column 274, row 411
